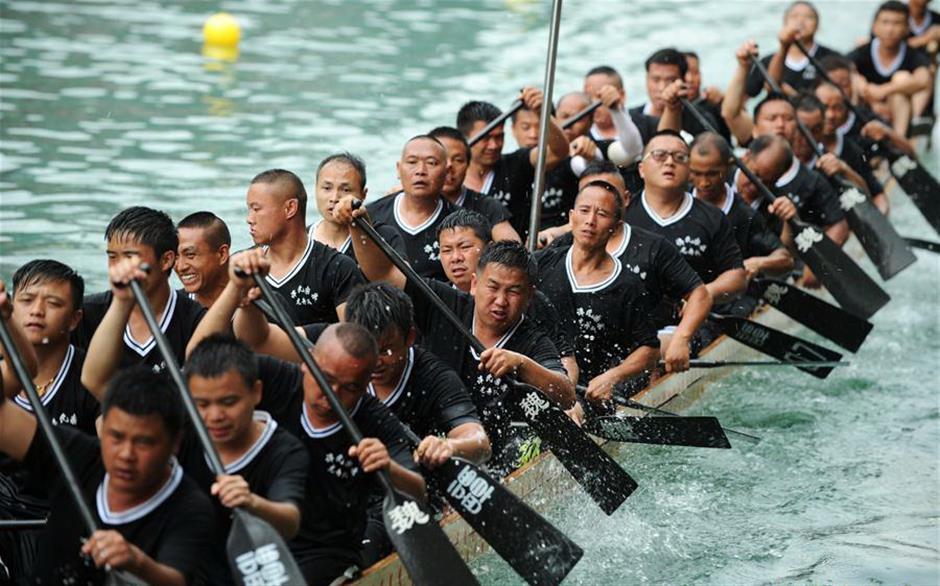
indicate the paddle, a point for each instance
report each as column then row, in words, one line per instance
column 597, row 473
column 585, row 112
column 919, row 185
column 695, row 432
column 535, row 549
column 923, row 244
column 115, row 577
column 422, row 546
column 631, row 404
column 844, row 279
column 777, row 344
column 881, row 242
column 249, row 537
column 797, row 363
column 495, row 122
column 834, row 323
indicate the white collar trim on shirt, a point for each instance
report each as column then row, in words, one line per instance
column 56, row 382
column 413, row 230
column 919, row 30
column 165, row 319
column 802, row 61
column 502, row 341
column 847, row 125
column 463, row 196
column 270, row 425
column 729, row 195
column 402, row 382
column 294, row 269
column 625, row 241
column 573, row 280
column 488, row 181
column 790, row 174
column 892, row 68
column 312, row 234
column 144, row 508
column 680, row 213
column 327, row 431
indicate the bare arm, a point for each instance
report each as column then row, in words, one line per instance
column 233, row 491
column 469, row 441
column 17, row 430
column 557, row 143
column 555, row 385
column 672, row 112
column 728, row 286
column 372, row 261
column 373, row 456
column 600, row 388
column 732, row 108
column 777, row 263
column 697, row 305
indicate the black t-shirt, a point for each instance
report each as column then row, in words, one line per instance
column 385, row 231
column 931, row 17
column 800, row 75
column 853, row 155
column 544, row 315
column 317, row 283
column 909, row 59
column 561, row 189
column 714, row 110
column 510, row 183
column 174, row 526
column 178, row 322
column 421, row 245
column 489, row 207
column 690, row 124
column 817, row 202
column 751, row 233
column 611, row 318
column 66, row 400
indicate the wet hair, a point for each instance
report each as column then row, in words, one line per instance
column 892, row 6
column 464, row 218
column 451, row 133
column 355, row 340
column 599, row 167
column 807, row 102
column 705, row 142
column 609, row 72
column 39, row 271
column 835, row 63
column 297, row 191
column 219, row 354
column 347, row 158
column 147, row 226
column 473, row 112
column 664, row 132
column 770, row 97
column 793, row 5
column 609, row 188
column 510, row 254
column 766, row 141
column 141, row 392
column 668, row 56
column 216, row 232
column 380, row 308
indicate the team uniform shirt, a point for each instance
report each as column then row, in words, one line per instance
column 870, row 67
column 751, row 233
column 490, row 208
column 931, row 17
column 853, row 155
column 385, row 231
column 611, row 317
column 421, row 245
column 66, row 400
column 561, row 189
column 546, row 318
column 798, row 73
column 510, row 183
column 275, row 468
column 174, row 526
column 816, row 200
column 178, row 322
column 714, row 110
column 318, row 282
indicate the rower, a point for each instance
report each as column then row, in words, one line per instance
column 265, row 466
column 524, row 125
column 507, row 177
column 924, row 25
column 702, row 233
column 789, row 66
column 312, row 278
column 416, row 212
column 202, row 256
column 708, row 99
column 663, row 68
column 138, row 235
column 459, row 155
column 156, row 523
column 768, row 156
column 893, row 78
column 608, row 306
column 606, row 126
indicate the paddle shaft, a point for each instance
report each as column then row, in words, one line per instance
column 923, row 244
column 585, row 112
column 45, row 424
column 498, row 121
column 631, row 404
column 723, row 363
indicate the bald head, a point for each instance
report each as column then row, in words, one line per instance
column 773, row 153
column 353, row 339
column 416, row 142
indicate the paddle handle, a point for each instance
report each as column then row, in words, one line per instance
column 822, row 73
column 498, row 121
column 585, row 112
column 45, row 424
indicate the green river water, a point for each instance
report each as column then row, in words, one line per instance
column 109, row 104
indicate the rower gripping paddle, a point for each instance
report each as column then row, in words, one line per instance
column 495, row 122
column 587, row 111
column 254, row 547
column 422, row 546
column 923, row 244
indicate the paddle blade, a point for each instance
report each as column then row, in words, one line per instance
column 696, row 432
column 535, row 549
column 780, row 345
column 923, row 244
column 257, row 553
column 845, row 280
column 883, row 245
column 834, row 323
column 422, row 546
column 918, row 184
column 597, row 473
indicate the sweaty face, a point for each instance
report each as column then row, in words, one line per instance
column 44, row 310
column 776, row 117
column 667, row 174
column 460, row 253
column 337, row 180
column 525, row 128
column 707, row 172
column 501, row 295
column 457, row 162
column 890, row 28
column 123, row 246
column 567, row 108
column 593, row 218
column 836, row 112
column 693, row 76
column 657, row 78
column 135, row 451
column 197, row 264
column 422, row 168
column 592, row 87
column 267, row 212
column 226, row 405
column 393, row 357
column 348, row 377
column 803, row 18
column 488, row 149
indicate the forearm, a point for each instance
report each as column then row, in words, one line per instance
column 155, row 573
column 838, row 232
column 733, row 104
column 855, row 179
column 11, row 383
column 372, row 261
column 284, row 517
column 557, row 149
column 469, row 441
column 571, row 366
column 555, row 385
column 106, row 347
column 671, row 119
column 253, row 328
column 628, row 134
column 411, row 483
column 775, row 67
column 219, row 317
column 912, row 84
column 728, row 286
column 698, row 304
column 640, row 360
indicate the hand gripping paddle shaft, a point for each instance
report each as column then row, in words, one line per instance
column 250, row 538
column 422, row 546
column 597, row 473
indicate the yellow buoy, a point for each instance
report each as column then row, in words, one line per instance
column 221, row 30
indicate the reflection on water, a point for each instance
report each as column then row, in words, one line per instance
column 103, row 105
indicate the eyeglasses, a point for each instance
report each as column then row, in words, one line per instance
column 659, row 155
